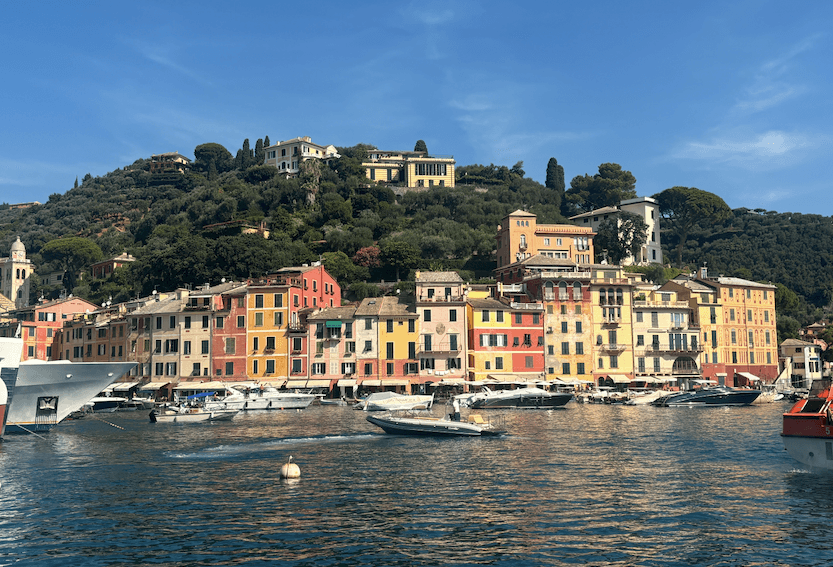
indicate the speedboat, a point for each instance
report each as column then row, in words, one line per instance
column 47, row 392
column 530, row 397
column 808, row 431
column 388, row 401
column 709, row 396
column 105, row 404
column 190, row 414
column 408, row 423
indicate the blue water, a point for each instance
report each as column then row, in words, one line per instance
column 583, row 485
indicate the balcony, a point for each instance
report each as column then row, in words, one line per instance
column 676, row 349
column 441, row 299
column 612, row 347
column 612, row 322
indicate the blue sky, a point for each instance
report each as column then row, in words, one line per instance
column 730, row 97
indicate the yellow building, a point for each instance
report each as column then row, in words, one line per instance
column 410, row 169
column 611, row 297
column 267, row 325
column 520, row 236
column 489, row 324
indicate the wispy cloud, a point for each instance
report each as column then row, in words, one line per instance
column 772, row 85
column 771, row 149
column 166, row 56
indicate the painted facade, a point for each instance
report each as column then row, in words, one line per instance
column 520, row 236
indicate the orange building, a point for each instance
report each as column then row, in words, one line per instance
column 520, row 236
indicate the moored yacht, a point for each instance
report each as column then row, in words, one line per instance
column 10, row 351
column 522, row 398
column 47, row 392
column 708, row 397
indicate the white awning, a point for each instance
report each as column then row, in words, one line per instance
column 395, row 383
column 748, row 376
column 318, row 383
column 619, row 378
column 296, row 384
column 345, row 383
column 371, row 383
column 153, row 385
column 123, row 386
column 648, row 380
column 203, row 386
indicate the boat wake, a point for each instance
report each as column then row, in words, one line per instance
column 236, row 451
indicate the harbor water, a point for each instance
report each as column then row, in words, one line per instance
column 582, row 485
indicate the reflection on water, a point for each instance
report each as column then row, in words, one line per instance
column 587, row 484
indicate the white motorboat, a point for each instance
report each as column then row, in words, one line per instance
column 105, row 404
column 10, row 351
column 190, row 414
column 47, row 392
column 521, row 398
column 391, row 401
column 269, row 397
column 645, row 398
column 410, row 423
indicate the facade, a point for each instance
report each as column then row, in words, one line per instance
column 568, row 330
column 16, row 272
column 665, row 338
column 410, row 169
column 332, row 332
column 41, row 326
column 105, row 268
column 170, row 162
column 441, row 308
column 612, row 311
column 805, row 361
column 645, row 207
column 287, row 156
column 519, row 236
column 489, row 348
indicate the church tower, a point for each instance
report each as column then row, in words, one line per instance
column 16, row 272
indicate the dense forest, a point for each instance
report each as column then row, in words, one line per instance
column 185, row 229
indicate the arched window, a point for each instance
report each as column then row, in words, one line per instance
column 523, row 242
column 619, row 299
column 577, row 291
column 602, row 297
column 18, row 273
column 562, row 291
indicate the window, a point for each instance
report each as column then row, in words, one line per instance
column 368, row 346
column 389, row 351
column 485, row 315
column 579, row 368
column 614, row 361
column 204, row 347
column 159, row 322
column 499, row 316
column 452, row 315
column 219, row 323
column 270, row 367
column 411, row 350
column 426, row 315
column 564, row 326
column 452, row 342
column 578, row 327
column 411, row 325
column 318, row 368
column 278, row 300
column 565, row 348
column 639, row 316
column 230, row 347
column 766, row 315
column 578, row 309
column 731, row 314
column 368, row 368
column 368, row 324
column 563, row 309
column 170, row 368
column 186, row 347
column 640, row 365
column 536, row 318
column 241, row 321
column 389, row 324
column 640, row 340
column 258, row 319
column 389, row 368
column 579, row 348
column 529, row 361
column 278, row 319
column 656, row 364
column 519, row 319
column 205, row 321
column 173, row 321
column 499, row 363
column 565, row 367
column 749, row 315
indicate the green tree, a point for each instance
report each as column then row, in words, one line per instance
column 73, row 254
column 621, row 236
column 399, row 254
column 555, row 175
column 684, row 207
column 518, row 169
column 420, row 146
column 260, row 154
column 339, row 265
column 207, row 154
column 608, row 188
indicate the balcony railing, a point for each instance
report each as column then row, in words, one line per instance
column 654, row 348
column 612, row 347
column 440, row 298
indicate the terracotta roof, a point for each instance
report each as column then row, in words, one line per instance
column 438, row 277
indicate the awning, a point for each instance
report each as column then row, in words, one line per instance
column 318, row 383
column 345, row 383
column 748, row 376
column 371, row 382
column 123, row 386
column 153, row 385
column 619, row 378
column 297, row 384
column 648, row 380
column 215, row 385
column 395, row 383
column 333, row 324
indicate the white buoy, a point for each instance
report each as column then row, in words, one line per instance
column 290, row 469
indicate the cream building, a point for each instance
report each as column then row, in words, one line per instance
column 287, row 156
column 645, row 207
column 410, row 169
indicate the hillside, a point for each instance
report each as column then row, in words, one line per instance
column 362, row 231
